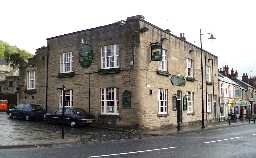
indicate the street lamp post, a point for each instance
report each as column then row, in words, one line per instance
column 202, row 73
column 63, row 108
column 62, row 90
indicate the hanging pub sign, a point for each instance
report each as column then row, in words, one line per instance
column 156, row 51
column 178, row 80
column 85, row 54
column 126, row 99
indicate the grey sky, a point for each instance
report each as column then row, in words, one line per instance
column 28, row 23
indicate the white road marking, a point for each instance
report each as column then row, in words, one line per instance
column 105, row 155
column 254, row 134
column 121, row 154
column 133, row 152
column 219, row 140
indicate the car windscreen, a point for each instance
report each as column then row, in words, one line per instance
column 20, row 106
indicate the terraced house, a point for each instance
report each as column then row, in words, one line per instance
column 130, row 73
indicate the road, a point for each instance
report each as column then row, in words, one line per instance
column 239, row 141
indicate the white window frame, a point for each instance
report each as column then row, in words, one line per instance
column 163, row 101
column 31, row 78
column 66, row 62
column 190, row 66
column 113, row 98
column 190, row 102
column 68, row 93
column 110, row 56
column 221, row 89
column 163, row 64
column 229, row 91
column 209, row 103
column 208, row 73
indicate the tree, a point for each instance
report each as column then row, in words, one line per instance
column 14, row 56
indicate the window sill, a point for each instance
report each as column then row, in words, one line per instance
column 109, row 71
column 30, row 91
column 66, row 75
column 191, row 79
column 208, row 83
column 190, row 113
column 162, row 115
column 164, row 73
column 110, row 114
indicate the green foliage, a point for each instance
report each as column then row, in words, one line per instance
column 15, row 56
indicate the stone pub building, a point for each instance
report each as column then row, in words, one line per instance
column 129, row 73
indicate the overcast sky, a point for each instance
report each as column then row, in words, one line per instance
column 27, row 23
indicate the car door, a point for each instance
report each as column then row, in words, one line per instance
column 68, row 115
column 18, row 112
column 26, row 110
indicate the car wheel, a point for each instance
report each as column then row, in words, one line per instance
column 10, row 115
column 72, row 124
column 27, row 118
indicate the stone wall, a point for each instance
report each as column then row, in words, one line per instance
column 37, row 95
column 178, row 51
column 126, row 36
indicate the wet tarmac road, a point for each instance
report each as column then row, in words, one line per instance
column 18, row 132
column 239, row 141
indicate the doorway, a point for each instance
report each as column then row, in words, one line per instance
column 179, row 107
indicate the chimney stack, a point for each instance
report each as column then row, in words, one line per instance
column 245, row 77
column 226, row 71
column 236, row 74
column 182, row 36
column 232, row 74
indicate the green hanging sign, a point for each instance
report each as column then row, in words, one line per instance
column 156, row 52
column 126, row 99
column 85, row 54
column 185, row 103
column 178, row 80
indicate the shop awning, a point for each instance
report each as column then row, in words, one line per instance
column 244, row 103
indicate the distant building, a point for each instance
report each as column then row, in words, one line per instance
column 6, row 70
column 230, row 92
column 245, row 94
column 8, row 82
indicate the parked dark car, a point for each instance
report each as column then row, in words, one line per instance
column 72, row 116
column 27, row 112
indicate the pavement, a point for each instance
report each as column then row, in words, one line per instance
column 25, row 134
column 194, row 128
